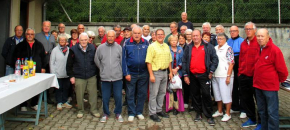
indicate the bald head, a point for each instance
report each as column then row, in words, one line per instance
column 137, row 34
column 234, row 31
column 184, row 16
column 81, row 28
column 263, row 37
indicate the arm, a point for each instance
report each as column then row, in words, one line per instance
column 97, row 58
column 280, row 66
column 151, row 75
column 43, row 59
column 149, row 57
column 231, row 61
column 69, row 64
column 6, row 49
column 125, row 69
column 213, row 58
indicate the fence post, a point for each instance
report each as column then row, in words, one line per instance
column 233, row 12
column 279, row 11
column 90, row 17
column 185, row 6
column 137, row 11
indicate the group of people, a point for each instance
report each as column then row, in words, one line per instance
column 234, row 71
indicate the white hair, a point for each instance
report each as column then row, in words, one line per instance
column 46, row 21
column 62, row 36
column 137, row 27
column 84, row 34
column 184, row 26
column 91, row 33
column 248, row 23
column 206, row 23
column 102, row 28
column 60, row 24
column 188, row 30
column 111, row 31
column 220, row 26
column 29, row 29
column 145, row 26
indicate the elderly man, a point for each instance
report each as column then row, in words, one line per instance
column 146, row 32
column 101, row 34
column 173, row 29
column 31, row 48
column 206, row 27
column 9, row 47
column 270, row 70
column 82, row 72
column 81, row 28
column 249, row 55
column 158, row 60
column 188, row 34
column 136, row 79
column 61, row 30
column 235, row 43
column 183, row 28
column 218, row 29
column 185, row 22
column 198, row 64
column 119, row 38
column 127, row 34
column 109, row 60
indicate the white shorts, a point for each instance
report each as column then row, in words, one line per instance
column 222, row 91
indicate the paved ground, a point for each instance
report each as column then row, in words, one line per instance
column 66, row 120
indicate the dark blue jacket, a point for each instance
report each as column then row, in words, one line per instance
column 81, row 64
column 133, row 58
column 8, row 51
column 179, row 54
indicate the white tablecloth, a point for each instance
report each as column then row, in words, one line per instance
column 25, row 89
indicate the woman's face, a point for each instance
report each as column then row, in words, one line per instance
column 206, row 38
column 181, row 40
column 153, row 37
column 62, row 41
column 173, row 42
column 188, row 36
column 91, row 39
column 221, row 40
column 74, row 36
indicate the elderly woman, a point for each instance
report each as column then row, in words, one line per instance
column 58, row 59
column 153, row 37
column 223, row 77
column 174, row 99
column 182, row 40
column 92, row 37
column 188, row 33
column 206, row 37
column 74, row 38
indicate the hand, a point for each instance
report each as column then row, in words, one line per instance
column 128, row 77
column 46, row 52
column 210, row 76
column 42, row 70
column 186, row 80
column 228, row 80
column 72, row 80
column 174, row 71
column 170, row 75
column 152, row 79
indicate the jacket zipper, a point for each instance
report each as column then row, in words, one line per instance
column 110, row 61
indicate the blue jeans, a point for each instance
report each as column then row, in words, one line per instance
column 138, row 85
column 268, row 108
column 61, row 94
column 9, row 70
column 106, row 94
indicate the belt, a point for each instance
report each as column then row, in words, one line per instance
column 161, row 70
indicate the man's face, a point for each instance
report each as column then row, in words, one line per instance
column 61, row 28
column 250, row 31
column 81, row 28
column 196, row 36
column 101, row 32
column 262, row 37
column 146, row 31
column 234, row 31
column 118, row 31
column 173, row 28
column 219, row 30
column 83, row 40
column 206, row 28
column 46, row 27
column 29, row 35
column 127, row 33
column 55, row 35
column 182, row 29
column 18, row 31
column 111, row 37
column 160, row 36
column 184, row 16
column 137, row 34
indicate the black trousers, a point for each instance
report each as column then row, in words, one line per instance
column 200, row 93
column 247, row 97
column 236, row 102
column 186, row 91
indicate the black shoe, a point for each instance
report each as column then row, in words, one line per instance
column 162, row 114
column 49, row 101
column 125, row 103
column 211, row 121
column 175, row 112
column 155, row 118
column 198, row 117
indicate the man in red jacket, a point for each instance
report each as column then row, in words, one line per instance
column 270, row 69
column 249, row 54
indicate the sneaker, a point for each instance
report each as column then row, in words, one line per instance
column 217, row 113
column 131, row 118
column 259, row 127
column 249, row 123
column 119, row 118
column 85, row 100
column 226, row 117
column 185, row 105
column 80, row 115
column 243, row 115
column 59, row 106
column 197, row 117
column 210, row 121
column 23, row 108
column 96, row 115
column 232, row 111
column 140, row 117
column 104, row 119
column 35, row 107
column 66, row 105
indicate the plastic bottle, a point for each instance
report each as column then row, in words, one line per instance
column 17, row 67
column 25, row 69
column 34, row 68
column 21, row 66
column 30, row 66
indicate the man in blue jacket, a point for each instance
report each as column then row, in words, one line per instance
column 136, row 73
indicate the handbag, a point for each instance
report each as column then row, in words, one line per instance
column 175, row 82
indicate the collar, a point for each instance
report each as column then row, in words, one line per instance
column 270, row 43
column 223, row 47
column 110, row 44
column 45, row 35
column 131, row 39
column 18, row 38
column 84, row 50
column 234, row 38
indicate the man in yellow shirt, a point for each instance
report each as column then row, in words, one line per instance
column 158, row 60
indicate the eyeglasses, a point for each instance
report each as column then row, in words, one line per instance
column 31, row 34
column 220, row 39
column 234, row 31
column 92, row 37
column 248, row 29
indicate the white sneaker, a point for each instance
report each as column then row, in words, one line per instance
column 226, row 117
column 217, row 113
column 59, row 106
column 23, row 108
column 80, row 115
column 131, row 118
column 66, row 105
column 232, row 111
column 35, row 107
column 140, row 117
column 185, row 105
column 85, row 100
column 243, row 115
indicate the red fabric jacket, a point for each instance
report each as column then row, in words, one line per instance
column 270, row 69
column 249, row 55
column 118, row 39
